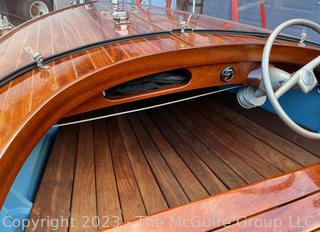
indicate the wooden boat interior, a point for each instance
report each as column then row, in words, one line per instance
column 206, row 157
column 136, row 165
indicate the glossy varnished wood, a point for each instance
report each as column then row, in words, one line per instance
column 96, row 23
column 138, row 165
column 36, row 100
column 300, row 215
column 201, row 77
column 242, row 203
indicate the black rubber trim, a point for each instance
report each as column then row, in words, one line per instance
column 11, row 76
column 33, row 65
column 256, row 34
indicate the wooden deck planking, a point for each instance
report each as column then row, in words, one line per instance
column 83, row 206
column 106, row 185
column 132, row 166
column 45, row 82
column 251, row 158
column 304, row 151
column 25, row 82
column 266, row 152
column 172, row 190
column 200, row 170
column 54, row 195
column 189, row 183
column 150, row 191
column 129, row 193
column 243, row 169
column 230, row 178
column 75, row 37
column 15, row 48
column 289, row 149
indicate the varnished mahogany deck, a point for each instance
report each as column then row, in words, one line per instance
column 144, row 163
column 89, row 23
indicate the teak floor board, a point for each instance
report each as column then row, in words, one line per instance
column 150, row 191
column 205, row 176
column 228, row 156
column 55, row 191
column 270, row 154
column 143, row 163
column 210, row 158
column 106, row 186
column 183, row 174
column 171, row 188
column 274, row 124
column 130, row 198
column 84, row 187
column 251, row 158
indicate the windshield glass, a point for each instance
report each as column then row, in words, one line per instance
column 81, row 24
column 260, row 13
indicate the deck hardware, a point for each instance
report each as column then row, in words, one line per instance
column 121, row 17
column 184, row 25
column 303, row 38
column 227, row 74
column 37, row 57
column 5, row 25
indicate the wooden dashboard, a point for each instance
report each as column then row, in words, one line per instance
column 200, row 77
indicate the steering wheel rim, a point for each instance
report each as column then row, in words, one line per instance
column 266, row 75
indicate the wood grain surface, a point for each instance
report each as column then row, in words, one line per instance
column 37, row 99
column 149, row 162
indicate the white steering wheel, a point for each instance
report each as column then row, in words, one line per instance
column 304, row 78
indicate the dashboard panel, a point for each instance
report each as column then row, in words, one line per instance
column 198, row 77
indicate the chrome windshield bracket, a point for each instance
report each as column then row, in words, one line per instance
column 37, row 57
column 184, row 25
column 5, row 25
column 303, row 38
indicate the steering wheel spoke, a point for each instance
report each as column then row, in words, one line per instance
column 312, row 64
column 287, row 85
column 304, row 78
